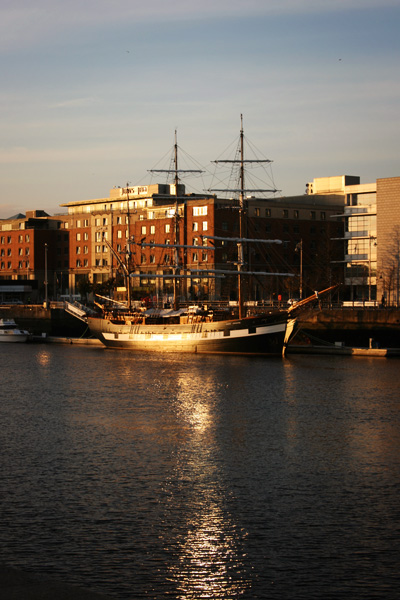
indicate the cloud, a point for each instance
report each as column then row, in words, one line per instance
column 75, row 103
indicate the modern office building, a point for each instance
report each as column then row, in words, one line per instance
column 359, row 242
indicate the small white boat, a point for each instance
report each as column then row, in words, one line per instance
column 10, row 332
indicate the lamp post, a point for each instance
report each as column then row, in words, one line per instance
column 299, row 247
column 45, row 275
column 371, row 237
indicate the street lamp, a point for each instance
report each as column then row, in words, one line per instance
column 299, row 247
column 45, row 275
column 371, row 237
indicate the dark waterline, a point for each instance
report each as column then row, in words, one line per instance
column 192, row 476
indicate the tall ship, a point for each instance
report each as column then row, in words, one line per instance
column 199, row 327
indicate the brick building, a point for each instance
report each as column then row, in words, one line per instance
column 388, row 239
column 30, row 248
column 144, row 217
column 136, row 225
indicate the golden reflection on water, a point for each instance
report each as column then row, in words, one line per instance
column 208, row 557
column 209, row 561
column 44, row 358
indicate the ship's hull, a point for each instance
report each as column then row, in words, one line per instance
column 264, row 335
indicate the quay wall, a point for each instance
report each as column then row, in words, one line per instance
column 37, row 320
column 353, row 327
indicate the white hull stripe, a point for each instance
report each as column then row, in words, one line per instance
column 193, row 336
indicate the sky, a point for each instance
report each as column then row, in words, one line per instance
column 93, row 91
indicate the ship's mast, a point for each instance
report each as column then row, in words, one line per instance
column 176, row 172
column 241, row 221
column 128, row 250
column 176, row 284
column 242, row 191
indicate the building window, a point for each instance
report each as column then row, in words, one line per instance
column 97, row 222
column 86, row 223
column 98, row 236
column 143, row 259
column 143, row 229
column 205, row 225
column 204, row 257
column 119, row 247
column 9, row 239
column 20, row 239
column 152, row 229
column 323, row 216
column 312, row 215
column 119, row 234
column 78, row 223
column 78, row 250
column 86, row 236
column 98, row 249
column 198, row 211
column 8, row 251
column 151, row 215
column 267, row 212
column 296, row 214
column 285, row 213
column 105, row 221
column 85, row 250
column 2, row 239
column 78, row 263
column 195, row 226
column 195, row 241
column 224, row 226
column 195, row 257
column 2, row 252
column 119, row 220
column 167, row 228
column 20, row 251
column 9, row 264
column 152, row 259
column 86, row 262
column 78, row 237
column 256, row 212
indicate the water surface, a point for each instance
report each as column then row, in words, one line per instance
column 187, row 476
